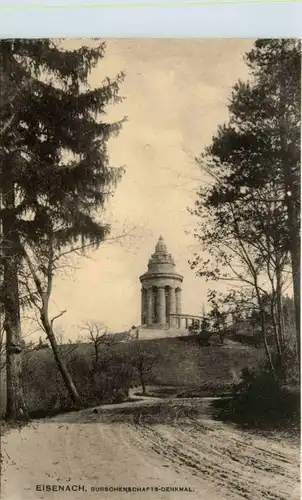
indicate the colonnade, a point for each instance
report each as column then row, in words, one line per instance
column 158, row 302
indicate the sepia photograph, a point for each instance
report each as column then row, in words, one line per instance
column 150, row 268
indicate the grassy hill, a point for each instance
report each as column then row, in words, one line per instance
column 183, row 362
column 178, row 362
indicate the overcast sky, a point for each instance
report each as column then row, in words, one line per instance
column 176, row 93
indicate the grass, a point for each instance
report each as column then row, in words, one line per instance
column 184, row 363
column 181, row 364
column 159, row 412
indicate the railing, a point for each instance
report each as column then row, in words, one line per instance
column 176, row 319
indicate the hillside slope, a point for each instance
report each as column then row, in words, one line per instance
column 183, row 362
column 180, row 362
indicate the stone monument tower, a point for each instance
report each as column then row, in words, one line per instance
column 161, row 289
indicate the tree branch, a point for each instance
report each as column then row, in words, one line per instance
column 56, row 317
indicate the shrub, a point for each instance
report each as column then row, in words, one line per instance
column 45, row 391
column 260, row 400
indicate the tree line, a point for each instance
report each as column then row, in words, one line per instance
column 248, row 213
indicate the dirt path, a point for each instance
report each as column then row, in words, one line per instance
column 216, row 461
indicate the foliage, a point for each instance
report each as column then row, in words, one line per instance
column 57, row 147
column 248, row 218
column 261, row 400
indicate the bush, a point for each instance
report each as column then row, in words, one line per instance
column 291, row 371
column 260, row 400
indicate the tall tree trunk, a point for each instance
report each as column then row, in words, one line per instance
column 291, row 196
column 292, row 200
column 263, row 332
column 295, row 258
column 142, row 382
column 47, row 325
column 280, row 314
column 16, row 409
column 275, row 322
column 275, row 319
column 266, row 347
column 71, row 388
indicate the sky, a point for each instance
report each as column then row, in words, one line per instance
column 175, row 93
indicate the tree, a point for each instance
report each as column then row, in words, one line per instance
column 235, row 251
column 97, row 334
column 42, row 276
column 249, row 217
column 218, row 320
column 142, row 360
column 276, row 64
column 42, row 263
column 205, row 324
column 2, row 344
column 54, row 169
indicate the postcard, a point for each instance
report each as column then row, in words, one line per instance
column 150, row 263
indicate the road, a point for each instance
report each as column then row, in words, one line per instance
column 128, row 446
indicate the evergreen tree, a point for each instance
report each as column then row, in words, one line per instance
column 55, row 171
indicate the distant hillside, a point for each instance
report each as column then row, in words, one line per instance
column 180, row 362
column 183, row 362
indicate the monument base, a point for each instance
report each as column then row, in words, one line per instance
column 147, row 333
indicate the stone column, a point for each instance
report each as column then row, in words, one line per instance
column 178, row 301
column 149, row 306
column 143, row 306
column 161, row 305
column 172, row 305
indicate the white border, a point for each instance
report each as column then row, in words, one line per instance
column 239, row 20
